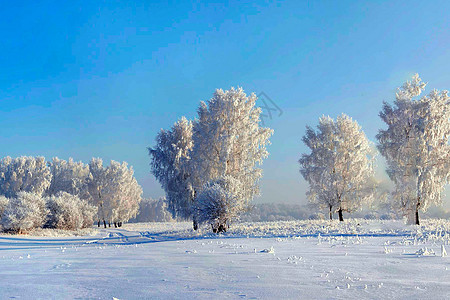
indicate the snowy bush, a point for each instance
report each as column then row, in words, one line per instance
column 69, row 212
column 217, row 206
column 24, row 212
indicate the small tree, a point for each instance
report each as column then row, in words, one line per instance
column 24, row 174
column 416, row 146
column 69, row 212
column 24, row 212
column 339, row 168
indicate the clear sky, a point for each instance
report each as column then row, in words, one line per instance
column 100, row 78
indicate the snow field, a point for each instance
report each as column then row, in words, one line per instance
column 324, row 260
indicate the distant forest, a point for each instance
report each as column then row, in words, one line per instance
column 152, row 210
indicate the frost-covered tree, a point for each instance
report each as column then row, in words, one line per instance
column 169, row 164
column 114, row 190
column 24, row 212
column 69, row 212
column 228, row 141
column 339, row 168
column 24, row 174
column 97, row 187
column 217, row 205
column 70, row 177
column 124, row 193
column 416, row 146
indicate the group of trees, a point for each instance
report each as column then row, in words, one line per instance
column 340, row 166
column 208, row 167
column 65, row 194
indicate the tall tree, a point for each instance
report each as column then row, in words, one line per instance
column 228, row 141
column 416, row 146
column 24, row 174
column 339, row 168
column 170, row 165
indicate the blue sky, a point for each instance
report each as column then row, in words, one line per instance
column 100, row 78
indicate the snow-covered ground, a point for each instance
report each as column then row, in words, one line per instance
column 296, row 260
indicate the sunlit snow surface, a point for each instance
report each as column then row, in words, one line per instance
column 273, row 260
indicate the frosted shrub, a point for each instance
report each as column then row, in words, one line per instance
column 69, row 212
column 217, row 206
column 25, row 212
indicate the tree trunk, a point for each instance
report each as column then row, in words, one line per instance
column 221, row 228
column 417, row 216
column 331, row 214
column 195, row 224
column 341, row 218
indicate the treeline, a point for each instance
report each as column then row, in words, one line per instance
column 65, row 194
column 151, row 210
